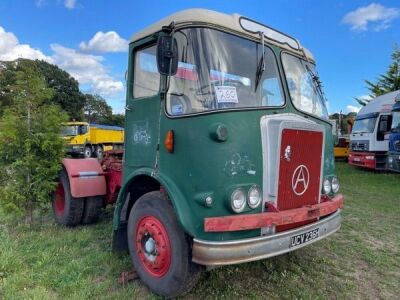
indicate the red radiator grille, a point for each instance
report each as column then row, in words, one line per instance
column 299, row 170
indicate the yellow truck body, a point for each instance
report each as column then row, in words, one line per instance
column 106, row 135
column 91, row 139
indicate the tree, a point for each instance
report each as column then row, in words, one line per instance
column 344, row 124
column 65, row 88
column 97, row 110
column 363, row 101
column 117, row 120
column 7, row 77
column 31, row 148
column 390, row 81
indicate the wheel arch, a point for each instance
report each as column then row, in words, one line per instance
column 155, row 182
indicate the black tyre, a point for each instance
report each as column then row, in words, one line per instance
column 92, row 209
column 159, row 249
column 68, row 210
column 99, row 151
column 87, row 152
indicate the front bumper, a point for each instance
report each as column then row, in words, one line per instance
column 75, row 149
column 211, row 253
column 370, row 160
column 362, row 159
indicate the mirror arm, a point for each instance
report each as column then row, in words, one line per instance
column 172, row 32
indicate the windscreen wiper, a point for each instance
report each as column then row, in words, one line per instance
column 317, row 82
column 261, row 64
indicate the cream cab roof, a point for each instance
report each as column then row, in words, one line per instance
column 203, row 17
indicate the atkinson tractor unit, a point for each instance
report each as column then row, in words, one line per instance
column 228, row 153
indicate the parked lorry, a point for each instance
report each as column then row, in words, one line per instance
column 228, row 152
column 91, row 139
column 394, row 137
column 370, row 134
column 341, row 140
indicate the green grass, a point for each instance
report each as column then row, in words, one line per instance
column 361, row 261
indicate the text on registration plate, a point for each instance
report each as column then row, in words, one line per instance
column 305, row 237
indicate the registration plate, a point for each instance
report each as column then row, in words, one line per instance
column 305, row 237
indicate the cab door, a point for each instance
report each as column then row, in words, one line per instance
column 143, row 107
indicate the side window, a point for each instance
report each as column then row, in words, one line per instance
column 385, row 122
column 146, row 79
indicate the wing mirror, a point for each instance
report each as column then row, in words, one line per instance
column 167, row 55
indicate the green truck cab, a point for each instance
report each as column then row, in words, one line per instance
column 228, row 149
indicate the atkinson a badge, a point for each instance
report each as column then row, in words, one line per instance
column 300, row 180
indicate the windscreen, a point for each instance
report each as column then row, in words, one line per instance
column 219, row 71
column 71, row 130
column 366, row 125
column 304, row 86
column 396, row 121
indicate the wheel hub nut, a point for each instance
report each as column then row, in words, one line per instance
column 150, row 246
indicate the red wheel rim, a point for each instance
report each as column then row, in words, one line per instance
column 59, row 200
column 153, row 246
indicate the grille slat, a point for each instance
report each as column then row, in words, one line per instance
column 359, row 145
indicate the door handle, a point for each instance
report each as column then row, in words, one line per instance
column 128, row 108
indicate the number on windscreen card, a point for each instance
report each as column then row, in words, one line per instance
column 226, row 94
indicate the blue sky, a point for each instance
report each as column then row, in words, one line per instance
column 351, row 40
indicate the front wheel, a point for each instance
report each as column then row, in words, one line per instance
column 159, row 249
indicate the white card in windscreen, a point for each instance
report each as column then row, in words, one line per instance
column 226, row 94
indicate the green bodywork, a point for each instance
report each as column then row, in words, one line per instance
column 201, row 165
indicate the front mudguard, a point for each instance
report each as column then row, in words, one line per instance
column 181, row 207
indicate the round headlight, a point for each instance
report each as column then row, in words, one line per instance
column 238, row 200
column 335, row 184
column 327, row 186
column 254, row 198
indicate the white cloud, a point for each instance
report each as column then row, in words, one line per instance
column 105, row 42
column 87, row 69
column 11, row 49
column 380, row 16
column 70, row 4
column 40, row 3
column 353, row 108
column 356, row 108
